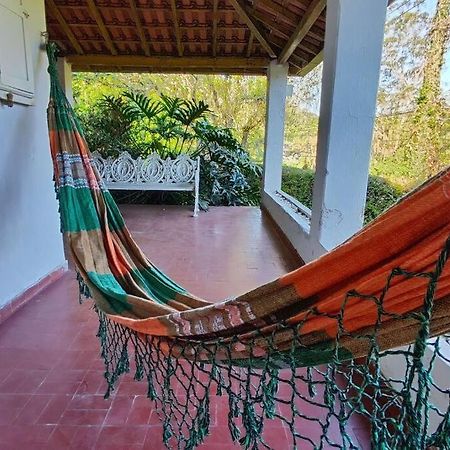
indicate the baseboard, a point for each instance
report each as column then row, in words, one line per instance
column 297, row 260
column 22, row 299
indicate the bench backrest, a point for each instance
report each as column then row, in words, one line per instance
column 152, row 170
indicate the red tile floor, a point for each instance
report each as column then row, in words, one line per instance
column 51, row 376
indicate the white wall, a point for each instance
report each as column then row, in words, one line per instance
column 30, row 241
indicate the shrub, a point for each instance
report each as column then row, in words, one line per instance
column 298, row 183
column 380, row 194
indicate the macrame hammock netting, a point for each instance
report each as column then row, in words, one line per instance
column 322, row 338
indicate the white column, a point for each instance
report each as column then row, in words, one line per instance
column 352, row 56
column 274, row 137
column 65, row 77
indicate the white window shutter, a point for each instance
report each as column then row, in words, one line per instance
column 16, row 69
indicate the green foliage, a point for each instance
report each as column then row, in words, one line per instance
column 167, row 125
column 380, row 194
column 299, row 184
column 228, row 175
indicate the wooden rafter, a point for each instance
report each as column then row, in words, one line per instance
column 241, row 9
column 304, row 50
column 250, row 45
column 279, row 10
column 297, row 59
column 215, row 20
column 168, row 62
column 311, row 65
column 140, row 29
column 266, row 20
column 176, row 26
column 311, row 15
column 101, row 25
column 59, row 17
column 289, row 17
column 199, row 26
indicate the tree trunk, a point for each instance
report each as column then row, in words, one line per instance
column 245, row 136
column 428, row 119
column 438, row 38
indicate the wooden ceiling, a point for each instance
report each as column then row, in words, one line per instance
column 196, row 36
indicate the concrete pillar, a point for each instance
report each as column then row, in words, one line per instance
column 65, row 77
column 274, row 137
column 351, row 68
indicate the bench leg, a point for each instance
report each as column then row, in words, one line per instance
column 197, row 188
column 196, row 209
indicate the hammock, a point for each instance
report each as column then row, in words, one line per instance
column 317, row 336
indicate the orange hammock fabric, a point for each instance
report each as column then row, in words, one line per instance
column 134, row 293
column 387, row 286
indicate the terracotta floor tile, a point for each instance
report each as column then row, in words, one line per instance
column 73, row 437
column 83, row 417
column 23, row 381
column 140, row 411
column 85, row 438
column 51, row 375
column 93, row 383
column 25, row 436
column 119, row 411
column 8, row 415
column 62, row 436
column 120, row 437
column 33, row 409
column 54, row 410
column 88, row 401
column 78, row 359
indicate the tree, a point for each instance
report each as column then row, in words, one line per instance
column 431, row 111
column 410, row 133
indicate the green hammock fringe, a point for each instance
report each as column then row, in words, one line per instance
column 182, row 382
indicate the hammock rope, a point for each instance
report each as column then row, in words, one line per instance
column 308, row 349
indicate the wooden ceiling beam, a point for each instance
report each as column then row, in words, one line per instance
column 214, row 32
column 277, row 9
column 304, row 47
column 269, row 24
column 311, row 15
column 205, row 70
column 180, row 8
column 140, row 29
column 311, row 65
column 288, row 17
column 176, row 25
column 200, row 26
column 64, row 25
column 165, row 41
column 250, row 45
column 169, row 62
column 241, row 10
column 101, row 25
column 298, row 60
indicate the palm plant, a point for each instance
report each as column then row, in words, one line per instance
column 169, row 126
column 165, row 125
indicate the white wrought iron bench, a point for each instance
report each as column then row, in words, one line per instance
column 150, row 174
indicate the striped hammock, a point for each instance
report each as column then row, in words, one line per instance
column 318, row 336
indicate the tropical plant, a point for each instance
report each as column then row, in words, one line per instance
column 228, row 175
column 169, row 126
